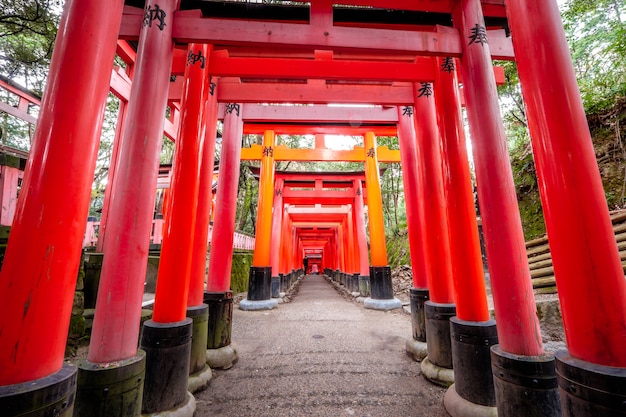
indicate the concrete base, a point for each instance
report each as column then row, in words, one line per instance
column 436, row 374
column 376, row 304
column 186, row 409
column 458, row 406
column 248, row 305
column 416, row 349
column 222, row 358
column 200, row 380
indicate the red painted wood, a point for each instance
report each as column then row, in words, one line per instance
column 277, row 222
column 587, row 266
column 118, row 307
column 205, row 203
column 113, row 165
column 8, row 194
column 263, row 235
column 518, row 326
column 321, row 69
column 191, row 28
column 226, row 204
column 40, row 266
column 172, row 288
column 466, row 258
column 435, row 223
column 255, row 113
column 411, row 180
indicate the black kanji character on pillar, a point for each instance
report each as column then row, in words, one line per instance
column 267, row 151
column 212, row 86
column 279, row 192
column 193, row 59
column 425, row 90
column 371, row 153
column 448, row 65
column 232, row 107
column 407, row 111
column 479, row 35
column 358, row 191
column 150, row 15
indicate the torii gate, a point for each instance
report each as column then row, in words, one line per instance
column 586, row 259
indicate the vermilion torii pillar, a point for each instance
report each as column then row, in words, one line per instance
column 380, row 274
column 199, row 375
column 260, row 283
column 169, row 319
column 590, row 279
column 172, row 290
column 518, row 327
column 41, row 261
column 361, row 236
column 472, row 330
column 416, row 345
column 118, row 306
column 277, row 223
column 220, row 353
column 438, row 310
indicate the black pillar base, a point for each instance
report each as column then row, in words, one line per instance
column 115, row 390
column 260, row 284
column 380, row 283
column 524, row 385
column 417, row 298
column 275, row 287
column 220, row 318
column 589, row 390
column 282, row 283
column 52, row 395
column 364, row 286
column 438, row 333
column 471, row 357
column 354, row 283
column 168, row 349
column 200, row 317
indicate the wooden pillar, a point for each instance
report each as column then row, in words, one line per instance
column 586, row 261
column 38, row 275
column 172, row 288
column 411, row 179
column 220, row 265
column 516, row 315
column 205, row 202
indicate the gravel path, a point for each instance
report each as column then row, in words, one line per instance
column 321, row 355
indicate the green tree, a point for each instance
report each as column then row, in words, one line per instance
column 596, row 33
column 27, row 32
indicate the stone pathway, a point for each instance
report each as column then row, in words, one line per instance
column 321, row 355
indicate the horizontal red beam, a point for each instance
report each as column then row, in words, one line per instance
column 287, row 68
column 282, row 153
column 256, row 113
column 257, row 129
column 321, row 195
column 192, row 27
column 236, row 92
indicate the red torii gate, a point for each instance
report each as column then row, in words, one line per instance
column 586, row 260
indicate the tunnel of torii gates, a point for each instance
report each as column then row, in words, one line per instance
column 411, row 58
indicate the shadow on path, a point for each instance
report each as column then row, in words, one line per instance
column 321, row 355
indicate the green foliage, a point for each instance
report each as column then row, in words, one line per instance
column 27, row 32
column 596, row 33
column 398, row 252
